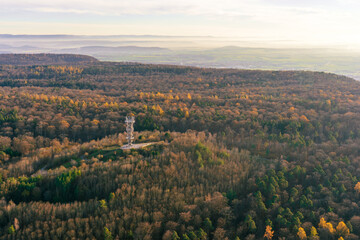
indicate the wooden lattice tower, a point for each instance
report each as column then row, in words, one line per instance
column 130, row 120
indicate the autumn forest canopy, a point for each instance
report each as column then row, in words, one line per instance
column 241, row 154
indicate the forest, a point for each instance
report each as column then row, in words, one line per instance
column 44, row 59
column 240, row 154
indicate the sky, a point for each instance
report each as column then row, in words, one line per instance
column 317, row 22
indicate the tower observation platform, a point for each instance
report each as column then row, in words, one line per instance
column 129, row 121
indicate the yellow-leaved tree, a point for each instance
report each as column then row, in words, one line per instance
column 322, row 223
column 326, row 225
column 313, row 232
column 342, row 230
column 330, row 227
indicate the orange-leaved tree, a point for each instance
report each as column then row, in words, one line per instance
column 357, row 187
column 268, row 233
column 301, row 233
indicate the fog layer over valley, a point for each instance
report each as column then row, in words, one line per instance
column 193, row 51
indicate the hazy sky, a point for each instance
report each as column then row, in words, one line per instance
column 306, row 21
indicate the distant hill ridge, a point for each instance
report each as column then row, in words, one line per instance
column 45, row 59
column 125, row 48
column 120, row 50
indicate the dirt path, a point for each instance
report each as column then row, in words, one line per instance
column 137, row 146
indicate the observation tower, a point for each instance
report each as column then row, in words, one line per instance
column 130, row 120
